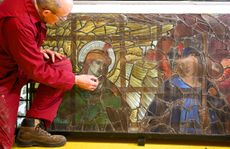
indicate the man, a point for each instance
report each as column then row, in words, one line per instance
column 22, row 31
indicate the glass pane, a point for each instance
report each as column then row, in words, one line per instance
column 159, row 73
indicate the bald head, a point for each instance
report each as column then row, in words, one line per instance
column 55, row 5
column 53, row 11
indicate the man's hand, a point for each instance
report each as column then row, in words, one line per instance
column 49, row 54
column 87, row 82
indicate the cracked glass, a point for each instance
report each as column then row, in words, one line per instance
column 159, row 73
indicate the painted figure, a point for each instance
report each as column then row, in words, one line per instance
column 100, row 110
column 188, row 104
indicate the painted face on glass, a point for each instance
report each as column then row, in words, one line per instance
column 97, row 68
column 187, row 66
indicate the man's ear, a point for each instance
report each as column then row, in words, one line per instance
column 46, row 12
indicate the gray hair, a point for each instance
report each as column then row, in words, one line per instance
column 51, row 5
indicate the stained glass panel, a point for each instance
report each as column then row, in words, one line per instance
column 159, row 73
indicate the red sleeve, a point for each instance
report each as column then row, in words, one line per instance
column 22, row 46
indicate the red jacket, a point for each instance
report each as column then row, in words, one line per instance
column 22, row 32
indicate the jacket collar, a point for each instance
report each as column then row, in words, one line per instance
column 30, row 6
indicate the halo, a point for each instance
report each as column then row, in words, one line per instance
column 96, row 44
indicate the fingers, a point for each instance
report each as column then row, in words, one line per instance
column 92, row 88
column 53, row 57
column 52, row 54
column 59, row 56
column 88, row 82
column 46, row 56
column 95, row 80
column 93, row 83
